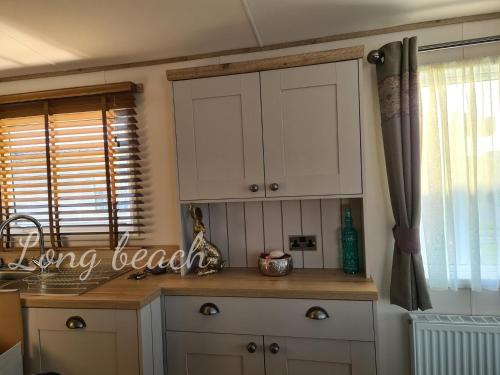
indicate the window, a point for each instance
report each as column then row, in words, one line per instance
column 460, row 228
column 70, row 158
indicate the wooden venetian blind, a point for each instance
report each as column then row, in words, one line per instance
column 70, row 158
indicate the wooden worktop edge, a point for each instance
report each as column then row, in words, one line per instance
column 126, row 294
column 47, row 302
column 278, row 294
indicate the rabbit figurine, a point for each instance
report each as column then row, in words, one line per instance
column 212, row 260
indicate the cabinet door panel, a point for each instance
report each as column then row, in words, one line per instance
column 107, row 345
column 302, row 356
column 191, row 353
column 219, row 137
column 304, row 367
column 311, row 130
column 69, row 352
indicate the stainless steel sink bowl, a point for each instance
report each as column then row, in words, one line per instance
column 65, row 281
column 9, row 275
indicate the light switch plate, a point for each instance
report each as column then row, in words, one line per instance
column 303, row 243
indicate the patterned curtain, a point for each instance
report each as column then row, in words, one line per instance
column 398, row 95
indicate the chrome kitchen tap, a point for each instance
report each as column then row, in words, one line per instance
column 43, row 263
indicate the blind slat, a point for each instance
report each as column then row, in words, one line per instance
column 132, row 211
column 62, row 192
column 120, row 204
column 72, row 233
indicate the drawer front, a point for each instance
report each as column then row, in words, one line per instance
column 94, row 319
column 348, row 320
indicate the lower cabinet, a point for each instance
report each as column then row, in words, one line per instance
column 191, row 353
column 94, row 341
column 212, row 353
column 82, row 342
column 304, row 356
column 265, row 336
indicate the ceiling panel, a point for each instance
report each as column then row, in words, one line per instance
column 62, row 34
column 6, row 64
column 287, row 20
column 97, row 31
column 18, row 54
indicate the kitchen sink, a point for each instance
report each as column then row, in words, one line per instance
column 9, row 275
column 64, row 281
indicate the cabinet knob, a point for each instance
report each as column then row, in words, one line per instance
column 274, row 348
column 75, row 322
column 209, row 309
column 274, row 186
column 252, row 347
column 254, row 188
column 317, row 313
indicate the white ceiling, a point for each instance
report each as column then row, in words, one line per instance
column 50, row 35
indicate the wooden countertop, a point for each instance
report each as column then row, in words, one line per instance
column 122, row 293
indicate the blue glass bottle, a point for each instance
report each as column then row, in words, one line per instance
column 350, row 257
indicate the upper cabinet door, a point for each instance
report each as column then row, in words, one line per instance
column 311, row 130
column 219, row 137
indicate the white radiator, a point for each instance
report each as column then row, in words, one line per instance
column 455, row 344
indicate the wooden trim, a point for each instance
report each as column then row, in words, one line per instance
column 289, row 61
column 52, row 181
column 46, row 115
column 270, row 47
column 110, row 196
column 2, row 187
column 111, row 88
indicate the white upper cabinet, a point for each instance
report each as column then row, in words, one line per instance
column 219, row 137
column 298, row 127
column 310, row 119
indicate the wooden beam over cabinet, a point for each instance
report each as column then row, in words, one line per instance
column 289, row 61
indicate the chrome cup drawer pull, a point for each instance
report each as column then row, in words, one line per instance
column 317, row 313
column 75, row 322
column 209, row 309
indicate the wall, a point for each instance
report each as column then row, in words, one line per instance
column 242, row 230
column 156, row 126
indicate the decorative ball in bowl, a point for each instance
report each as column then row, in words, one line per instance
column 275, row 263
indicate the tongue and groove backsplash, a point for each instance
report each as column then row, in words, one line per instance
column 242, row 230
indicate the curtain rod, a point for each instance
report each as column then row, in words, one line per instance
column 376, row 57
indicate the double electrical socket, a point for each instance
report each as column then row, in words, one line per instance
column 299, row 242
